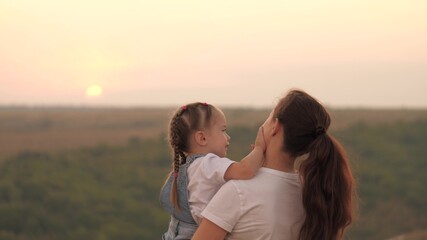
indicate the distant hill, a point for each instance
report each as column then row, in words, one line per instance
column 59, row 128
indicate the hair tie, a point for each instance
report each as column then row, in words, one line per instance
column 204, row 104
column 184, row 107
column 319, row 131
column 175, row 174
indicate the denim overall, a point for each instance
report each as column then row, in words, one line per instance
column 182, row 225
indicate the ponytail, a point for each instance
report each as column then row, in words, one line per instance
column 328, row 194
column 327, row 190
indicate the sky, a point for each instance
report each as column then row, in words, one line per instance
column 354, row 53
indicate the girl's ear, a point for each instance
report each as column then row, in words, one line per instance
column 200, row 138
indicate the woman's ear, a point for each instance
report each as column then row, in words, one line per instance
column 200, row 138
column 276, row 127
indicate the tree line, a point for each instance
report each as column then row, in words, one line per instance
column 111, row 191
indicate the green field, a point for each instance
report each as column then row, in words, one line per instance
column 70, row 173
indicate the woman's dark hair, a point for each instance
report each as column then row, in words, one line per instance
column 328, row 185
column 186, row 120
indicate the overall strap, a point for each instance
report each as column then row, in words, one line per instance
column 191, row 159
column 183, row 215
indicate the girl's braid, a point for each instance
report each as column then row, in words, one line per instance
column 178, row 144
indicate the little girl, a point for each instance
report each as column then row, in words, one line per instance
column 197, row 135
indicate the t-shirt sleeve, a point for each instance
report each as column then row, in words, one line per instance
column 214, row 168
column 225, row 207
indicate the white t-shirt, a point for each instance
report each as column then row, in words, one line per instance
column 205, row 178
column 268, row 206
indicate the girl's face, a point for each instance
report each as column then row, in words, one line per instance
column 217, row 137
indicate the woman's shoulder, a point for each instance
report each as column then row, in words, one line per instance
column 293, row 176
column 265, row 178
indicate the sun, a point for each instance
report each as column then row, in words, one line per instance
column 94, row 90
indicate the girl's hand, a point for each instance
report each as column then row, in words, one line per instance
column 260, row 140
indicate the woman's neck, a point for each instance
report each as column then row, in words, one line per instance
column 279, row 161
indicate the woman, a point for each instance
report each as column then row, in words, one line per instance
column 313, row 199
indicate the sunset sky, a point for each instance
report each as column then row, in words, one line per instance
column 356, row 53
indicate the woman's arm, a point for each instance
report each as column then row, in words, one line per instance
column 208, row 230
column 250, row 164
column 222, row 213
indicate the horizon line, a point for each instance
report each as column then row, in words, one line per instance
column 172, row 106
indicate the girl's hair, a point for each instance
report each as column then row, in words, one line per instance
column 185, row 121
column 328, row 186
